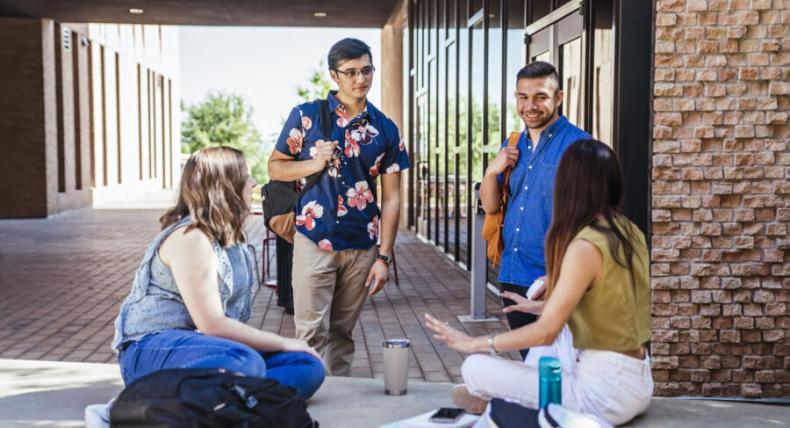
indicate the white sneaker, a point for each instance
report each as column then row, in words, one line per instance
column 98, row 415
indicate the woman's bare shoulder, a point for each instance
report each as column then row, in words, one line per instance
column 184, row 244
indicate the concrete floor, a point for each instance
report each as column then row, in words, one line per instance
column 54, row 394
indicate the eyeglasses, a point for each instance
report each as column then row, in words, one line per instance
column 354, row 73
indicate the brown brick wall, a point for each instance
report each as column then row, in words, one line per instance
column 721, row 198
column 29, row 112
column 23, row 182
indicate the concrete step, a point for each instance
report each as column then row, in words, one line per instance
column 54, row 394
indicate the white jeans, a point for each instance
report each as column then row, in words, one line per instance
column 608, row 385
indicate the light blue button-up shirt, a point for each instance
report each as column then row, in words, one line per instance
column 528, row 213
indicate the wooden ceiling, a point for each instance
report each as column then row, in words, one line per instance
column 299, row 13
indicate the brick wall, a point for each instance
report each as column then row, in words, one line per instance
column 721, row 198
column 24, row 125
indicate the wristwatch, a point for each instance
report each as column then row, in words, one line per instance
column 491, row 349
column 385, row 259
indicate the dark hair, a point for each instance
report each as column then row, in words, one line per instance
column 346, row 49
column 538, row 69
column 588, row 185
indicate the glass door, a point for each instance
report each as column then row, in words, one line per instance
column 422, row 167
column 557, row 38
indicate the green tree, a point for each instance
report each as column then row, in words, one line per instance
column 318, row 85
column 494, row 134
column 222, row 119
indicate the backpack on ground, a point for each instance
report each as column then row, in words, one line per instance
column 281, row 197
column 208, row 398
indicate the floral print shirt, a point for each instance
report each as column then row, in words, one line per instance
column 340, row 212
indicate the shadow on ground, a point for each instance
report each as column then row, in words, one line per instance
column 54, row 394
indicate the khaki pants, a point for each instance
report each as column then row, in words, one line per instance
column 329, row 290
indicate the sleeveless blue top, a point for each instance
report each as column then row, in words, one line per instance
column 155, row 305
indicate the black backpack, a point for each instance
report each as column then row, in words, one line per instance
column 511, row 415
column 208, row 398
column 280, row 197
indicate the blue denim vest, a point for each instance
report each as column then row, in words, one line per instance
column 155, row 304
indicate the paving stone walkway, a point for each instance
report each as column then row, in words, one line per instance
column 63, row 279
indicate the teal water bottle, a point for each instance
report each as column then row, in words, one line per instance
column 550, row 374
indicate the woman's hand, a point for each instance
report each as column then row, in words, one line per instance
column 452, row 337
column 522, row 304
column 296, row 345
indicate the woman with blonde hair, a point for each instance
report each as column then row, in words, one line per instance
column 192, row 291
column 598, row 283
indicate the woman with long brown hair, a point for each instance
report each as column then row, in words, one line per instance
column 598, row 276
column 192, row 291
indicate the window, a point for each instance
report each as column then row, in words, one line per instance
column 494, row 83
column 453, row 144
column 441, row 150
column 516, row 59
column 603, row 72
column 464, row 140
column 477, row 101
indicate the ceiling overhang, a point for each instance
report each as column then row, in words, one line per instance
column 286, row 13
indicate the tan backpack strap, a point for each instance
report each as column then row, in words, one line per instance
column 512, row 141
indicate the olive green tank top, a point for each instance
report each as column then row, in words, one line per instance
column 614, row 314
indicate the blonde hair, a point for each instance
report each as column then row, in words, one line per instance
column 212, row 193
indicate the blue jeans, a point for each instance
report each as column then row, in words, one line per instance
column 180, row 349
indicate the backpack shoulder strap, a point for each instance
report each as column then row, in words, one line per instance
column 326, row 130
column 512, row 141
column 325, row 118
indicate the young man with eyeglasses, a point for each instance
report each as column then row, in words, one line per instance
column 336, row 262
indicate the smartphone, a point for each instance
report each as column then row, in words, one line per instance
column 447, row 415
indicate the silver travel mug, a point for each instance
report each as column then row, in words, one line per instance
column 396, row 366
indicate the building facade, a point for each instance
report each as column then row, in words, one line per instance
column 692, row 95
column 721, row 197
column 91, row 115
column 463, row 61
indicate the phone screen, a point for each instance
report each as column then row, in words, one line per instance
column 447, row 414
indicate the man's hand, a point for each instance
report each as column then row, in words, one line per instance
column 506, row 158
column 325, row 151
column 377, row 277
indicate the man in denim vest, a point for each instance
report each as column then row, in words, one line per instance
column 534, row 161
column 336, row 262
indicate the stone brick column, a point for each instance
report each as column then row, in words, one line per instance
column 721, row 198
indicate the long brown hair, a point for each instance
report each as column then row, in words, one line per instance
column 588, row 191
column 212, row 193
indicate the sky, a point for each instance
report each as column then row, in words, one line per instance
column 263, row 64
